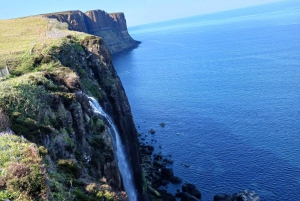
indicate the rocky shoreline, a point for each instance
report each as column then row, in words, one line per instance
column 158, row 174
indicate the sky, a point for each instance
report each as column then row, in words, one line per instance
column 136, row 11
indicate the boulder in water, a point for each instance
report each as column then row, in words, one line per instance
column 152, row 131
column 245, row 195
column 222, row 197
column 175, row 180
column 167, row 172
column 191, row 189
column 188, row 197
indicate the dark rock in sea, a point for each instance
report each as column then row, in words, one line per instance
column 168, row 161
column 162, row 124
column 175, row 180
column 165, row 196
column 179, row 194
column 164, row 182
column 222, row 197
column 158, row 164
column 191, row 189
column 245, row 195
column 188, row 197
column 152, row 131
column 158, row 157
column 147, row 149
column 167, row 172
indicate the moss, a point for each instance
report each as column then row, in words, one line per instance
column 92, row 88
column 97, row 142
column 97, row 124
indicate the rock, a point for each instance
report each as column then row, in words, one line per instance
column 158, row 164
column 167, row 196
column 245, row 195
column 162, row 124
column 222, row 197
column 168, row 161
column 175, row 180
column 164, row 182
column 158, row 157
column 147, row 149
column 191, row 189
column 152, row 131
column 167, row 172
column 188, row 197
column 179, row 194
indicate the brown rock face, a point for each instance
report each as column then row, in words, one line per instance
column 75, row 19
column 112, row 28
column 98, row 20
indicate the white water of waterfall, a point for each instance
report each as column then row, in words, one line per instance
column 123, row 165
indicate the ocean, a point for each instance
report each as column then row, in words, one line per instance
column 227, row 86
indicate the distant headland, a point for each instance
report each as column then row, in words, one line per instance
column 111, row 27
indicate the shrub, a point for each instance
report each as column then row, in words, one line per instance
column 69, row 166
column 22, row 176
column 43, row 151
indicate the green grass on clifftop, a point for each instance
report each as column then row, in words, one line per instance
column 24, row 37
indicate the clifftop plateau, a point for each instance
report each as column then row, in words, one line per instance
column 112, row 28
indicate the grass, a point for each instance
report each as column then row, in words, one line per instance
column 18, row 36
column 26, row 94
column 23, row 37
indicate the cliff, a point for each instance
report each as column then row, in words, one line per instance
column 51, row 132
column 112, row 28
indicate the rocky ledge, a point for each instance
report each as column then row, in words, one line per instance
column 112, row 28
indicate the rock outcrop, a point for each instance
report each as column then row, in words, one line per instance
column 245, row 195
column 112, row 28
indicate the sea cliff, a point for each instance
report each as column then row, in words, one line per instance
column 59, row 148
column 112, row 28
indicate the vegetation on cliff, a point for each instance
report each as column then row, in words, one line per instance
column 52, row 146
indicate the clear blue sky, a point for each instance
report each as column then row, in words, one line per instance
column 136, row 11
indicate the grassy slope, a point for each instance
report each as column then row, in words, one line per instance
column 17, row 36
column 22, row 37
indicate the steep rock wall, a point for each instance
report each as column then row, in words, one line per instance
column 112, row 28
column 115, row 103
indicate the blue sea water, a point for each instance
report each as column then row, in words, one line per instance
column 228, row 89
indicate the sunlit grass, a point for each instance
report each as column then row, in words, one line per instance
column 18, row 36
column 22, row 37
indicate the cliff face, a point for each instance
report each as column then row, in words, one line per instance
column 112, row 28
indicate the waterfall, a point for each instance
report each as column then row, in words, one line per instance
column 123, row 165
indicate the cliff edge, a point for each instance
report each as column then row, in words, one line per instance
column 112, row 28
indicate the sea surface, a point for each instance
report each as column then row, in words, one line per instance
column 227, row 86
